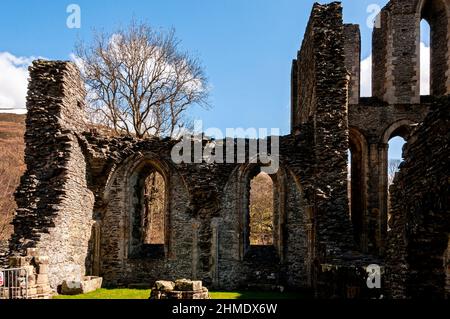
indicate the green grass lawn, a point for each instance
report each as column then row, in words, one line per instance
column 145, row 293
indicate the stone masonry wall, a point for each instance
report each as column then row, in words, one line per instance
column 352, row 47
column 206, row 218
column 381, row 50
column 420, row 223
column 54, row 204
column 322, row 67
column 396, row 45
column 79, row 200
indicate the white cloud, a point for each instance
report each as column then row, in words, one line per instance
column 366, row 73
column 366, row 77
column 13, row 82
column 424, row 69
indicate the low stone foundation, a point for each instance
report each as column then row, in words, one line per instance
column 180, row 289
column 32, row 277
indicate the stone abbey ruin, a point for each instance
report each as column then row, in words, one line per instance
column 81, row 200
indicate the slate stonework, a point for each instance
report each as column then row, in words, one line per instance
column 80, row 200
column 417, row 260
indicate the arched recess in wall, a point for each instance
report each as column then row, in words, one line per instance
column 148, row 197
column 400, row 129
column 358, row 165
column 310, row 229
column 125, row 206
column 437, row 14
column 273, row 248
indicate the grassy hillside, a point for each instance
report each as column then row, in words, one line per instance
column 11, row 166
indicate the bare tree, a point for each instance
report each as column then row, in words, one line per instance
column 139, row 82
column 393, row 166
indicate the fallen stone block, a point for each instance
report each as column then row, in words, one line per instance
column 88, row 284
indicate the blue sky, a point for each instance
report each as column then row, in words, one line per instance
column 246, row 46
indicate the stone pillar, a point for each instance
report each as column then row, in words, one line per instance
column 96, row 246
column 35, row 269
column 215, row 252
column 381, row 230
column 352, row 47
column 309, row 227
column 323, row 103
column 396, row 63
column 195, row 253
column 377, row 198
column 405, row 59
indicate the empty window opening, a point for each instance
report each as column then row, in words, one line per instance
column 394, row 161
column 153, row 218
column 425, row 62
column 434, row 31
column 261, row 210
column 394, row 157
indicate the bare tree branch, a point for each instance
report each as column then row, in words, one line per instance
column 139, row 81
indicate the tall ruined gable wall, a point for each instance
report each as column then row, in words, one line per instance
column 323, row 105
column 54, row 204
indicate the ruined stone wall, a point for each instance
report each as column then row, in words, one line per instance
column 396, row 50
column 117, row 218
column 396, row 104
column 78, row 200
column 322, row 61
column 287, row 262
column 352, row 47
column 437, row 13
column 373, row 124
column 54, row 204
column 382, row 80
column 321, row 66
column 405, row 54
column 420, row 222
column 207, row 224
column 303, row 70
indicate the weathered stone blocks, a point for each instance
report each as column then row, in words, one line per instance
column 31, row 280
column 86, row 285
column 180, row 289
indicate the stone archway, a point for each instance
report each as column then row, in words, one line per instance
column 125, row 255
column 401, row 128
column 358, row 186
